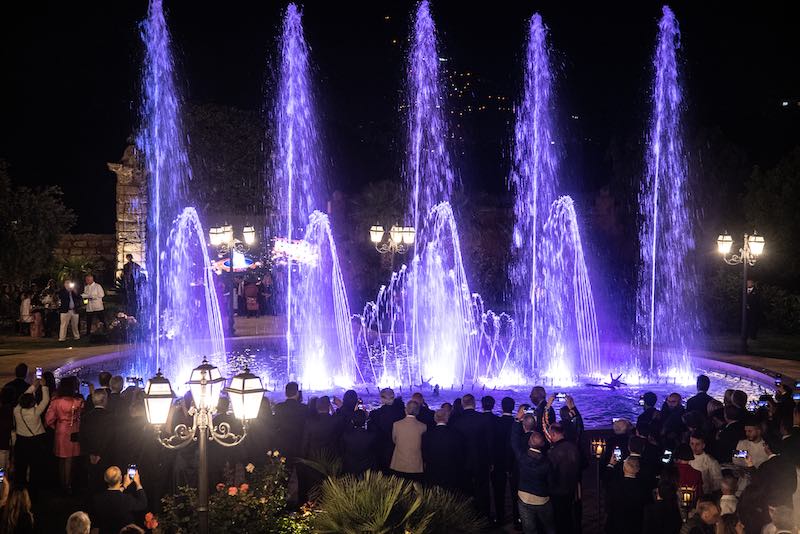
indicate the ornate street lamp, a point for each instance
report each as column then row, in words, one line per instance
column 598, row 448
column 222, row 238
column 396, row 241
column 205, row 383
column 752, row 248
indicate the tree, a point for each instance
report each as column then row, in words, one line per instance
column 31, row 223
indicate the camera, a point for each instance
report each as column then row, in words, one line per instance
column 740, row 453
column 667, row 457
column 561, row 397
column 132, row 470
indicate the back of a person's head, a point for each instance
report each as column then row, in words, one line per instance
column 636, row 445
column 739, row 398
column 116, row 384
column 536, row 440
column 131, row 529
column 100, row 397
column 468, row 401
column 417, row 397
column 359, row 419
column 112, row 476
column 441, row 415
column 667, row 490
column 412, row 408
column 621, row 426
column 17, row 504
column 291, row 389
column 731, row 413
column 323, row 404
column 631, row 466
column 104, row 379
column 350, row 398
column 714, row 405
column 729, row 483
column 684, row 453
column 68, row 386
column 21, row 370
column 703, row 383
column 528, row 422
column 79, row 523
column 556, row 430
column 387, row 396
column 27, row 400
column 650, row 399
column 507, row 404
column 487, row 403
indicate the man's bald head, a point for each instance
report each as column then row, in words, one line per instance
column 113, row 476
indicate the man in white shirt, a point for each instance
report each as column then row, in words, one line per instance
column 93, row 297
column 754, row 445
column 708, row 466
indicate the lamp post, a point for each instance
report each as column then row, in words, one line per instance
column 752, row 247
column 222, row 238
column 598, row 448
column 206, row 384
column 687, row 499
column 398, row 240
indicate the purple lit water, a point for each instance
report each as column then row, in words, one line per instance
column 667, row 317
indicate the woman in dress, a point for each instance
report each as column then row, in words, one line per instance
column 64, row 415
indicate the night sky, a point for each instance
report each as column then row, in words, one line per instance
column 69, row 75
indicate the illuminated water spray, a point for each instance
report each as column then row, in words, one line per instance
column 533, row 181
column 161, row 139
column 566, row 324
column 666, row 316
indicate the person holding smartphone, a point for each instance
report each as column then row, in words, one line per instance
column 122, row 501
column 31, row 447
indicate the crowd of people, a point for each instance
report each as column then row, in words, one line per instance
column 708, row 466
column 54, row 310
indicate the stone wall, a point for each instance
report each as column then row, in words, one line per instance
column 131, row 227
column 99, row 249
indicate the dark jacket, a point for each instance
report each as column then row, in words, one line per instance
column 426, row 416
column 477, row 430
column 662, row 517
column 63, row 298
column 381, row 421
column 535, row 470
column 699, row 403
column 19, row 387
column 626, row 501
column 111, row 510
column 289, row 424
column 727, row 440
column 321, row 435
column 566, row 460
column 358, row 451
column 97, row 434
column 443, row 454
column 778, row 477
column 503, row 453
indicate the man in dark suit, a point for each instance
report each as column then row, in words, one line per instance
column 650, row 415
column 626, row 500
column 425, row 413
column 119, row 504
column 443, row 454
column 777, row 475
column 97, row 438
column 381, row 421
column 538, row 398
column 19, row 385
column 358, row 446
column 699, row 403
column 477, row 430
column 503, row 458
column 289, row 422
column 566, row 460
column 322, row 431
column 729, row 436
column 535, row 474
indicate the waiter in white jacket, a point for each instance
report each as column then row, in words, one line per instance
column 93, row 298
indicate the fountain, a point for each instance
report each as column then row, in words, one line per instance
column 313, row 351
column 176, row 259
column 566, row 324
column 533, row 180
column 667, row 317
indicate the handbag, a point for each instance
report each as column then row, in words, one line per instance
column 74, row 437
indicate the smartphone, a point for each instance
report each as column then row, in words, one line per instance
column 667, row 457
column 561, row 397
column 796, row 397
column 38, row 373
column 641, row 400
column 752, row 406
column 132, row 471
column 615, row 419
column 797, row 385
column 618, row 453
column 2, row 475
column 763, row 404
column 740, row 453
column 361, row 407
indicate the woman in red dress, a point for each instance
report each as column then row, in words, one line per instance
column 64, row 415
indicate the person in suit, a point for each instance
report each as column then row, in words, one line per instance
column 381, row 421
column 790, row 434
column 289, row 422
column 703, row 521
column 407, row 438
column 777, row 475
column 729, row 436
column 443, row 454
column 97, row 438
column 566, row 460
column 699, row 403
column 664, row 515
column 425, row 413
column 503, row 459
column 322, row 432
column 119, row 504
column 538, row 398
column 358, row 446
column 20, row 384
column 477, row 431
column 626, row 500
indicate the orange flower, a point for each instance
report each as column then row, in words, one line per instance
column 244, row 487
column 150, row 521
column 220, row 486
column 233, row 490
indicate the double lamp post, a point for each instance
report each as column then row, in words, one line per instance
column 206, row 383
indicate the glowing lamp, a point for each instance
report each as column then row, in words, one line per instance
column 227, row 234
column 397, row 234
column 598, row 448
column 376, row 233
column 724, row 244
column 158, row 396
column 215, row 236
column 245, row 392
column 687, row 495
column 756, row 244
column 249, row 233
column 409, row 234
column 206, row 384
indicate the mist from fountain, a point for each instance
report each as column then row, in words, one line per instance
column 162, row 141
column 667, row 318
column 566, row 325
column 533, row 181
